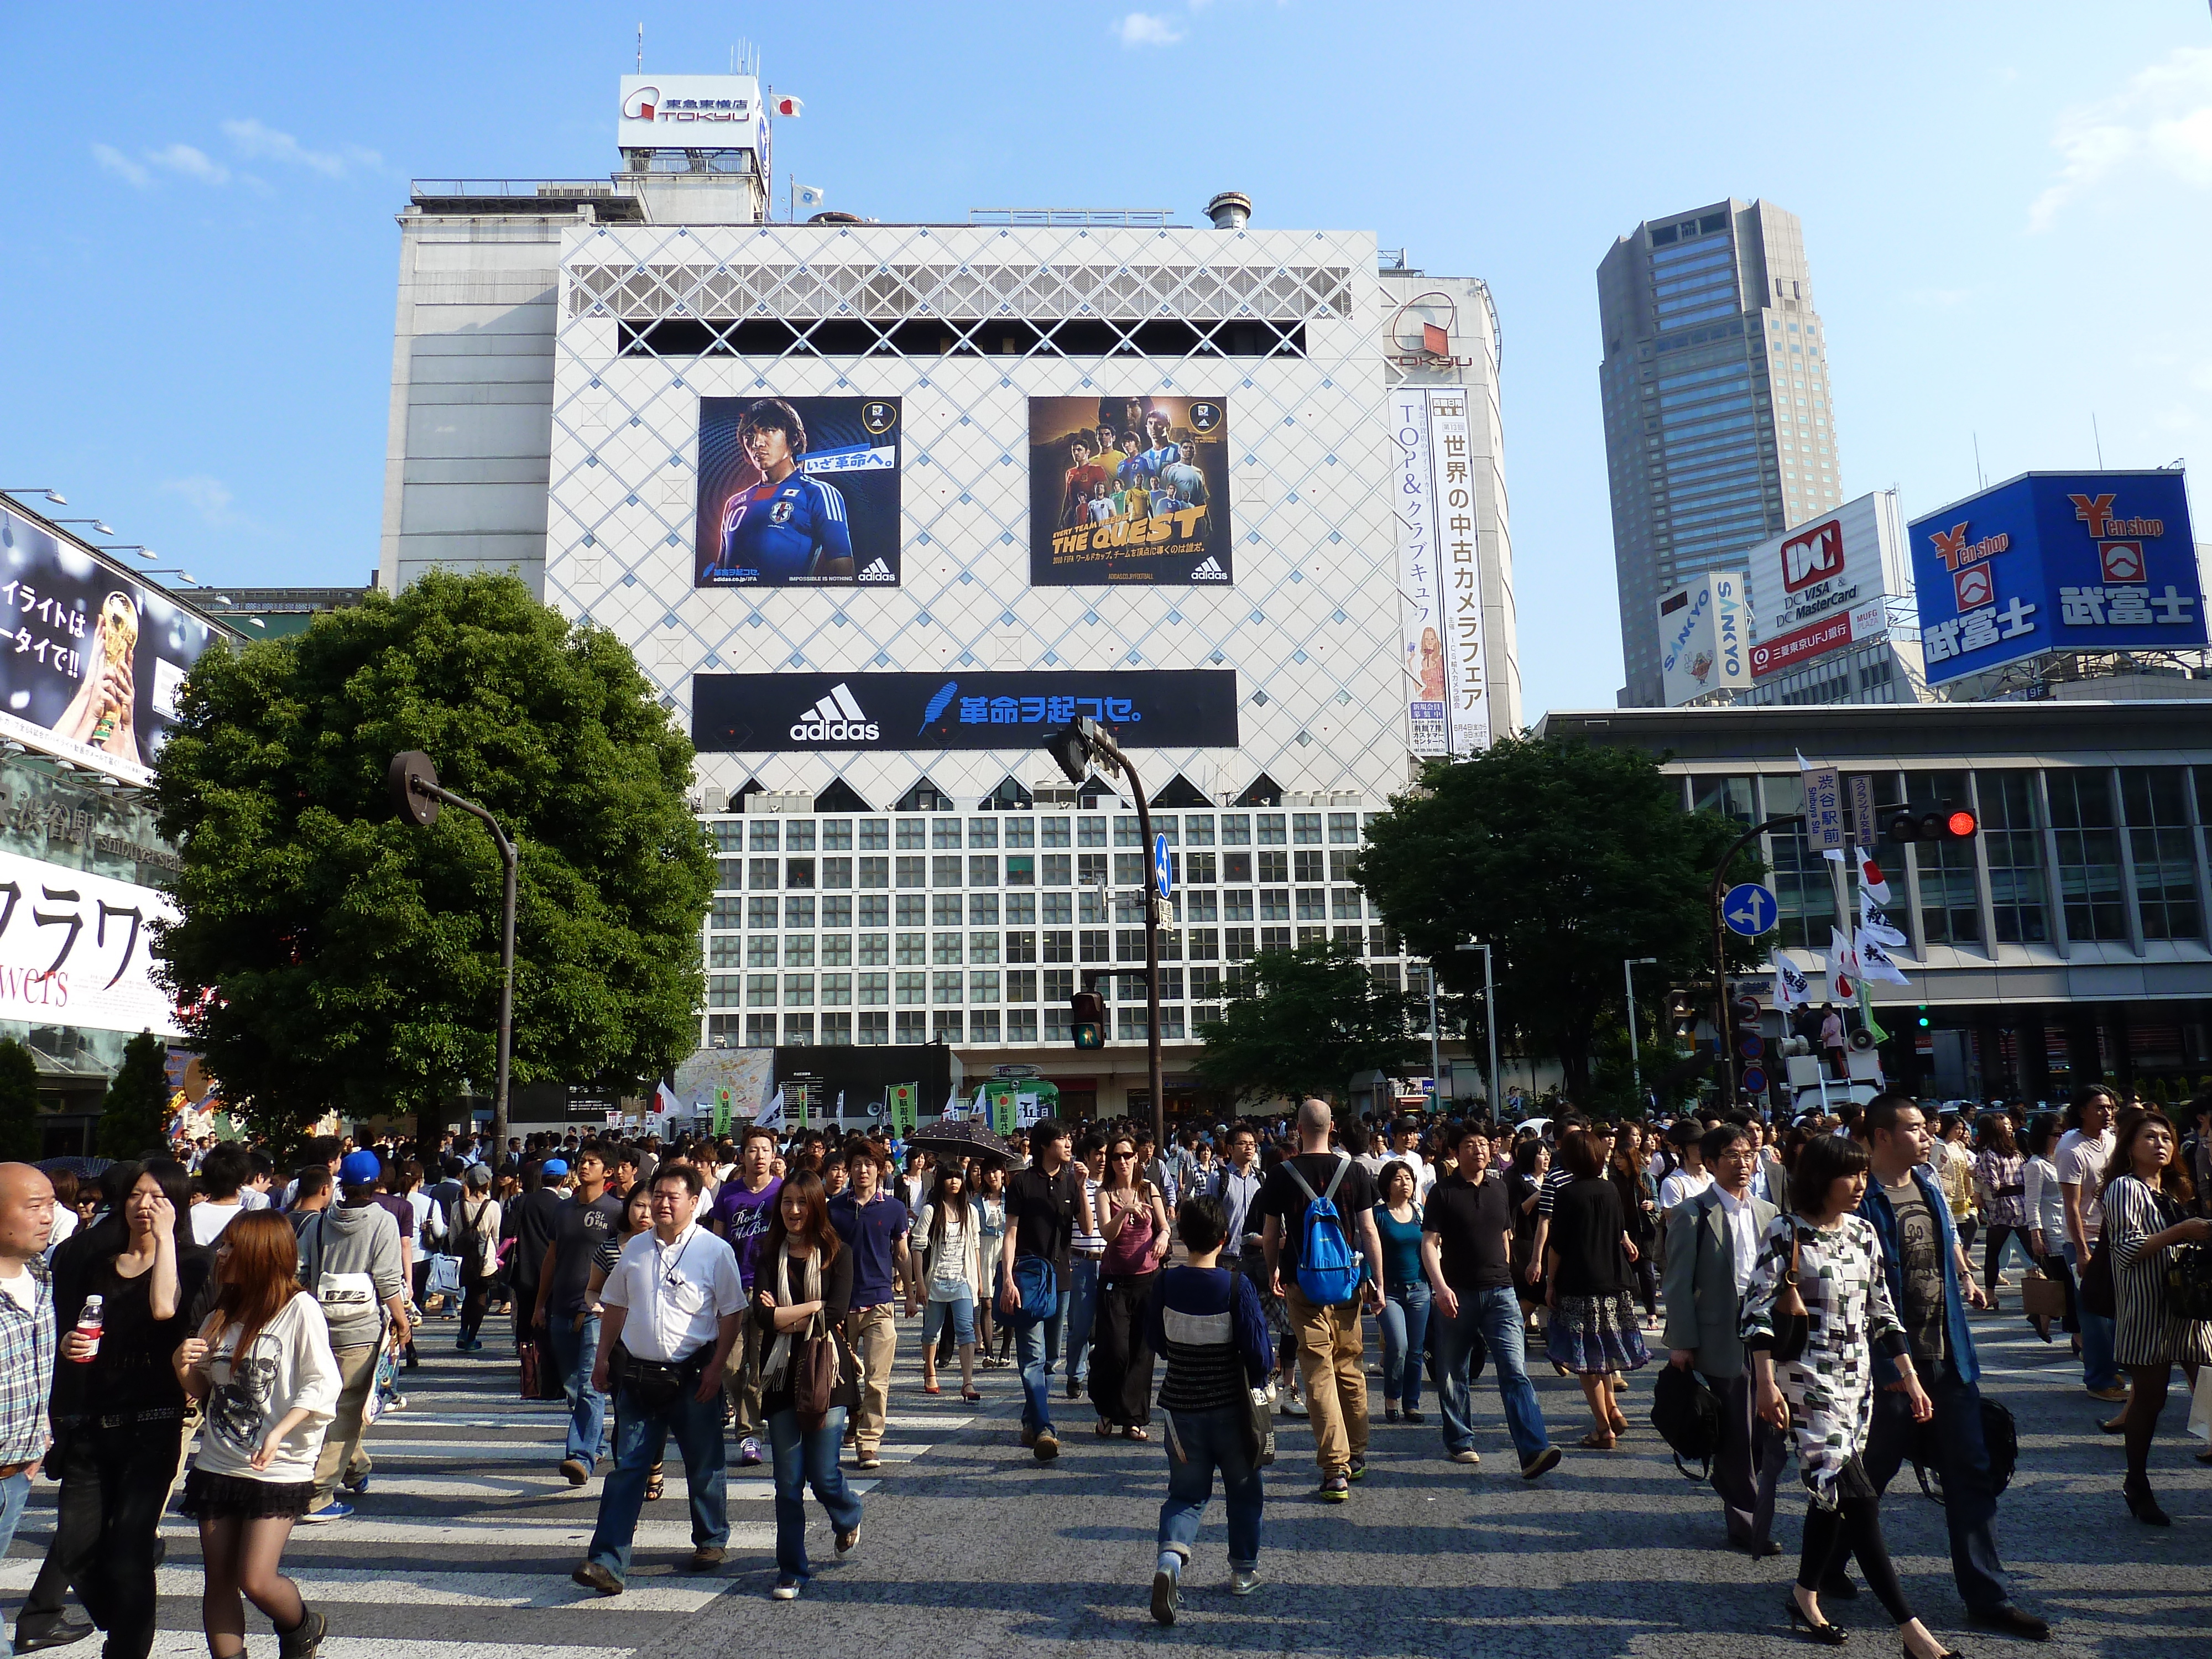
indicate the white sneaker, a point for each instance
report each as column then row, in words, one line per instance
column 1243, row 1580
column 1292, row 1406
column 1470, row 1455
column 1167, row 1586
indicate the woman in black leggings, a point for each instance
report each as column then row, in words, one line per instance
column 1816, row 1312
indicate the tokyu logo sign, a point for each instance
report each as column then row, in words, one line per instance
column 838, row 718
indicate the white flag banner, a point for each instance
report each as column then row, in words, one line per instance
column 1843, row 965
column 1874, row 962
column 771, row 1115
column 1874, row 924
column 1793, row 988
column 841, row 1105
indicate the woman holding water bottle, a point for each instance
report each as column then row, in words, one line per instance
column 119, row 1446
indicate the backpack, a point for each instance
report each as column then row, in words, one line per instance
column 1328, row 1270
column 1999, row 1437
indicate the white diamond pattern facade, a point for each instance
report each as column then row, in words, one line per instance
column 1280, row 326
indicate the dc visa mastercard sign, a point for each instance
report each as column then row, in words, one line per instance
column 1144, row 708
column 2057, row 562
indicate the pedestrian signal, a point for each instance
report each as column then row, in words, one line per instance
column 1087, row 1019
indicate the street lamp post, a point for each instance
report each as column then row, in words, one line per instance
column 1436, row 1043
column 1628, row 967
column 1489, row 1016
column 416, row 795
column 1077, row 747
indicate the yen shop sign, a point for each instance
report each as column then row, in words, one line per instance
column 1750, row 909
column 1162, row 868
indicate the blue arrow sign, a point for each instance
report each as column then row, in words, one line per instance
column 1750, row 909
column 1163, row 867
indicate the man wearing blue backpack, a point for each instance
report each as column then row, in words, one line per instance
column 1314, row 1266
column 1042, row 1204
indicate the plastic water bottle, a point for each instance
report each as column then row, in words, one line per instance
column 89, row 1324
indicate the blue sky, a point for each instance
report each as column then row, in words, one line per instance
column 2005, row 208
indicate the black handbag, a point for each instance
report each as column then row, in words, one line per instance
column 1687, row 1414
column 2000, row 1435
column 2096, row 1293
column 1793, row 1323
column 2189, row 1282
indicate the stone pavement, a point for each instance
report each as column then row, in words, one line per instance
column 979, row 1550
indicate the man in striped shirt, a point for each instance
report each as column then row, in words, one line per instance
column 27, row 1337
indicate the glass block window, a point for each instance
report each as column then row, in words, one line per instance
column 762, row 872
column 1344, row 829
column 760, row 990
column 760, row 913
column 1129, row 869
column 1057, row 910
column 722, row 991
column 798, row 951
column 798, row 836
column 1305, row 829
column 875, row 873
column 911, row 988
column 1127, row 832
column 799, row 990
column 836, row 873
column 875, row 834
column 1021, row 910
column 836, row 1031
column 983, row 947
column 797, row 912
column 2012, row 841
column 1313, row 903
column 873, row 910
column 722, row 952
column 872, row 1031
column 911, row 872
column 837, row 835
column 945, row 911
column 837, row 950
column 945, row 832
column 981, row 832
column 1020, row 832
column 1273, row 829
column 1274, row 904
column 912, row 1028
column 837, row 990
column 873, row 950
column 910, row 833
column 982, row 909
column 945, row 872
column 983, row 871
column 760, row 1031
column 1091, row 832
column 730, row 836
column 1235, row 829
column 2088, row 837
column 946, row 988
column 1059, row 870
column 1022, row 1025
column 837, row 912
column 1198, row 831
column 727, row 912
column 944, row 947
column 983, row 1025
column 766, row 834
column 1055, row 831
column 912, row 910
column 872, row 989
column 2156, row 802
column 760, row 950
column 983, row 986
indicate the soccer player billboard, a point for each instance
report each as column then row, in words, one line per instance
column 1128, row 490
column 798, row 492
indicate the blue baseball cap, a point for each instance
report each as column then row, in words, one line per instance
column 359, row 1168
column 554, row 1168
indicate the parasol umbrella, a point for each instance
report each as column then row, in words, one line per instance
column 76, row 1166
column 961, row 1137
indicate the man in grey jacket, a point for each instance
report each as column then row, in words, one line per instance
column 350, row 1262
column 1712, row 1240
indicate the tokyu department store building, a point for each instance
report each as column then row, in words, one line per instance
column 878, row 506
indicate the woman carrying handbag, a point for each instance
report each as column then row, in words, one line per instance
column 1133, row 1219
column 802, row 1290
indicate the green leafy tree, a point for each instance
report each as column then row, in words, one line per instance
column 135, row 1111
column 329, row 955
column 1567, row 858
column 1304, row 1022
column 19, row 1139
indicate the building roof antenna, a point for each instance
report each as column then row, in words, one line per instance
column 641, row 47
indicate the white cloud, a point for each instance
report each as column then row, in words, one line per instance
column 1145, row 28
column 2161, row 122
column 191, row 163
column 210, row 497
column 117, row 162
column 259, row 143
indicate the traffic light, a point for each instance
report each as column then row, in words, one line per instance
column 1682, row 1014
column 1087, row 1019
column 1924, row 1019
column 1072, row 755
column 1947, row 823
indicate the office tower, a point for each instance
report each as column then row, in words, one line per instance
column 1719, row 431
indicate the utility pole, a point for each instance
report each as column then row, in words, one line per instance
column 1489, row 1018
column 1628, row 967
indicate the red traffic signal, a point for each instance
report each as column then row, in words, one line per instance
column 1947, row 823
column 1960, row 824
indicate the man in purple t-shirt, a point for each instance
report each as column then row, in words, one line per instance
column 744, row 1207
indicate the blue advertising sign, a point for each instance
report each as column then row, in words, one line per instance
column 2057, row 562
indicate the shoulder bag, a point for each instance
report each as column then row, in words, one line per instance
column 1793, row 1323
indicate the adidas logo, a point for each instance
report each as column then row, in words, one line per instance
column 879, row 571
column 838, row 718
column 1209, row 570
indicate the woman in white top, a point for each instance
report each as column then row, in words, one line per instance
column 948, row 1224
column 2046, row 1218
column 262, row 1365
column 991, row 1239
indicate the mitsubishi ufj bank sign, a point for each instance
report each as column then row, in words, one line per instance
column 819, row 712
column 1704, row 638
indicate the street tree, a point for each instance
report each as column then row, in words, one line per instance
column 1304, row 1021
column 1566, row 858
column 19, row 1103
column 330, row 956
column 135, row 1111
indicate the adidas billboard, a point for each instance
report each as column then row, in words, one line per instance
column 1145, row 707
column 836, row 718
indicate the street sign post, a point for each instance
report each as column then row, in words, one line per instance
column 1750, row 909
column 1823, row 810
column 1863, row 829
column 1163, row 867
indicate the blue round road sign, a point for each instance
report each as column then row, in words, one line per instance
column 1754, row 1081
column 1750, row 909
column 1163, row 867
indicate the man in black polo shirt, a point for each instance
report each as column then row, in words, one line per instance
column 1042, row 1202
column 1467, row 1245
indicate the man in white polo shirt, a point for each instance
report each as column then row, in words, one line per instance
column 672, row 1310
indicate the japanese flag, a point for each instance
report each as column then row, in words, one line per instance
column 1843, row 965
column 1792, row 988
column 1871, row 881
column 785, row 106
column 663, row 1101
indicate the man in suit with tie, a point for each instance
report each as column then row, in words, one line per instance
column 1712, row 1240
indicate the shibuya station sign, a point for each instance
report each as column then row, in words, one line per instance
column 809, row 713
column 1824, row 585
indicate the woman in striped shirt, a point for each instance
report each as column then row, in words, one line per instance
column 1205, row 1322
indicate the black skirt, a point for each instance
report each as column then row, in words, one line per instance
column 212, row 1497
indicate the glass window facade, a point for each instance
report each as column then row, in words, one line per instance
column 2087, row 835
column 2155, row 799
column 2012, row 841
column 1950, row 903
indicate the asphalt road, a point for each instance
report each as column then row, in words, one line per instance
column 464, row 1544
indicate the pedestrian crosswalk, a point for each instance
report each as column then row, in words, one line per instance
column 462, row 1546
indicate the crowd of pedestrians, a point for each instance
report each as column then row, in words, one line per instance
column 194, row 1326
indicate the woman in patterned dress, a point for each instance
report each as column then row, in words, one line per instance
column 2000, row 1189
column 2147, row 1195
column 1834, row 1257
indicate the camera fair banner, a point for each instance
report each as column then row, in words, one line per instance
column 1439, row 573
column 77, row 949
column 1129, row 490
column 91, row 659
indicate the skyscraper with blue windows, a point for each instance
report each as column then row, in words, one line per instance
column 1719, row 429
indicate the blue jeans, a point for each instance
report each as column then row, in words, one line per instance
column 1970, row 1502
column 1034, row 1347
column 575, row 1352
column 2098, row 1369
column 1491, row 1318
column 933, row 1322
column 641, row 1440
column 1209, row 1441
column 803, row 1458
column 15, row 1492
column 1082, row 1311
column 1404, row 1321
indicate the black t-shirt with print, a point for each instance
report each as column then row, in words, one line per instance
column 1283, row 1198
